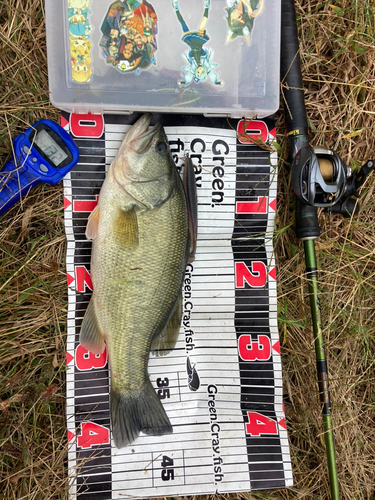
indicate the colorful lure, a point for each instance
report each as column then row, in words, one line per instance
column 129, row 31
column 240, row 19
column 199, row 59
column 129, row 35
column 80, row 44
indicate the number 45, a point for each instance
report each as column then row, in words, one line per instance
column 167, row 472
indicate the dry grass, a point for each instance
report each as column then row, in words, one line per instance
column 338, row 52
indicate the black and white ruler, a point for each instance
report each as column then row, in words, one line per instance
column 222, row 385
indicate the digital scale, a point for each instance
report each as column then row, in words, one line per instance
column 43, row 153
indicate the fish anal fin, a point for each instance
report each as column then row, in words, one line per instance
column 165, row 342
column 91, row 336
column 126, row 228
column 93, row 224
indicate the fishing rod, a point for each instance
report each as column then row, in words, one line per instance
column 319, row 179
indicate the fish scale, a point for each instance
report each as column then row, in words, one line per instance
column 138, row 312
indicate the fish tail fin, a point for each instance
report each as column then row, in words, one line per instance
column 132, row 414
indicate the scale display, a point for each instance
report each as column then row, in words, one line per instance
column 50, row 148
column 222, row 385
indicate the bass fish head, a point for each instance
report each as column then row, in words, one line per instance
column 144, row 166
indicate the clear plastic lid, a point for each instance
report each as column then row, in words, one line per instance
column 218, row 57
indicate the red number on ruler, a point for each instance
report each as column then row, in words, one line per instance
column 86, row 360
column 85, row 205
column 256, row 278
column 92, row 435
column 251, row 350
column 259, row 424
column 255, row 129
column 87, row 125
column 83, row 279
column 252, row 207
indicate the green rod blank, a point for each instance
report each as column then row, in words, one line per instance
column 321, row 363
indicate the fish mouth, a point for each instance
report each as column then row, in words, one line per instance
column 144, row 140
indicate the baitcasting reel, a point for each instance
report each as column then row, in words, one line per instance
column 321, row 179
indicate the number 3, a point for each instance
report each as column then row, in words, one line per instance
column 254, row 350
column 86, row 360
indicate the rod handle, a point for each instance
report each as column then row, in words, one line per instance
column 291, row 75
column 307, row 225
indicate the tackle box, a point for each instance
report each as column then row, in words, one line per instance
column 217, row 58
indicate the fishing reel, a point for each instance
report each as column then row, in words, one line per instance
column 321, row 179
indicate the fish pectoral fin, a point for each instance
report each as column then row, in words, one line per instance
column 165, row 342
column 91, row 337
column 126, row 227
column 93, row 224
column 190, row 188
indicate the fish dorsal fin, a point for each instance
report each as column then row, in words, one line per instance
column 165, row 342
column 93, row 224
column 126, row 228
column 91, row 337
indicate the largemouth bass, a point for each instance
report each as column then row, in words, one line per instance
column 141, row 245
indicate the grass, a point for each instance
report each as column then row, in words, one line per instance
column 338, row 55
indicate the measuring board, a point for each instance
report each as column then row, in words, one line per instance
column 222, row 384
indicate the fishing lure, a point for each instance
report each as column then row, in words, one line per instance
column 79, row 40
column 240, row 19
column 129, row 36
column 199, row 59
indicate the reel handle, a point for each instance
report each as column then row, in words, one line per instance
column 347, row 207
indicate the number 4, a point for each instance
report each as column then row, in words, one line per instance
column 260, row 424
column 92, row 434
column 167, row 462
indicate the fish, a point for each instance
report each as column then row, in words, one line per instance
column 143, row 233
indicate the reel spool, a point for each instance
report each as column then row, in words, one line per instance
column 319, row 176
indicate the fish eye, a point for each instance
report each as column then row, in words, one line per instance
column 161, row 148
